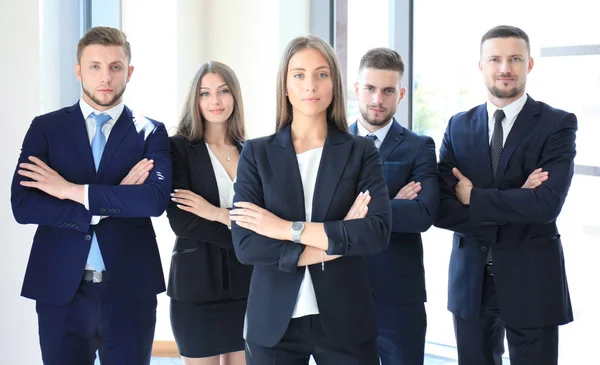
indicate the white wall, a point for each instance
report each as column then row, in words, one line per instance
column 20, row 103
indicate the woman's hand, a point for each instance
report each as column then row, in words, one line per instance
column 195, row 204
column 259, row 220
column 360, row 208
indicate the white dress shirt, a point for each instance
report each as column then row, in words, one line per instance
column 380, row 133
column 511, row 111
column 308, row 162
column 90, row 124
column 224, row 182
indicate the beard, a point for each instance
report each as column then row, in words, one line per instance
column 505, row 94
column 99, row 102
column 364, row 111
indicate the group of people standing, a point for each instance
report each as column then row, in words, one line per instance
column 305, row 242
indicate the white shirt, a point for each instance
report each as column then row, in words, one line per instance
column 224, row 182
column 511, row 111
column 380, row 133
column 90, row 124
column 308, row 163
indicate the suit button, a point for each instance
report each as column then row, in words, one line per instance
column 117, row 210
column 483, row 248
column 102, row 210
column 77, row 226
column 88, row 237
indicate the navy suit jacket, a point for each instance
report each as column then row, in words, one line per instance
column 268, row 176
column 519, row 224
column 397, row 274
column 63, row 237
column 203, row 255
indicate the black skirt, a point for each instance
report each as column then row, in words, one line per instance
column 204, row 329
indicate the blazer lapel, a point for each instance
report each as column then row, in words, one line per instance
column 523, row 124
column 115, row 137
column 480, row 172
column 79, row 137
column 393, row 138
column 284, row 165
column 336, row 152
column 201, row 166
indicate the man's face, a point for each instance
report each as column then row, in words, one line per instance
column 103, row 72
column 504, row 65
column 379, row 93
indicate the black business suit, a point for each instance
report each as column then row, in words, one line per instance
column 528, row 292
column 204, row 268
column 268, row 176
column 397, row 274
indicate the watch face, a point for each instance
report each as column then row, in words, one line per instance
column 296, row 226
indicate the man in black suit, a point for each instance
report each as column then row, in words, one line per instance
column 396, row 275
column 505, row 170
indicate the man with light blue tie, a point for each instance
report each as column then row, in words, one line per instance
column 90, row 176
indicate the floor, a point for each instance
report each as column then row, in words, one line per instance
column 429, row 360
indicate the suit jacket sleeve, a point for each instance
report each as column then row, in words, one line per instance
column 189, row 225
column 370, row 235
column 149, row 199
column 252, row 248
column 416, row 216
column 540, row 205
column 452, row 214
column 31, row 205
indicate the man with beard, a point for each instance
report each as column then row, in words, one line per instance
column 90, row 176
column 396, row 275
column 505, row 170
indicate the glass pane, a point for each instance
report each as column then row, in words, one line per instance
column 363, row 34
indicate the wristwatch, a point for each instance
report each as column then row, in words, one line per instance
column 297, row 228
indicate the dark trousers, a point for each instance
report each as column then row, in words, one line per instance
column 304, row 337
column 481, row 341
column 402, row 330
column 122, row 330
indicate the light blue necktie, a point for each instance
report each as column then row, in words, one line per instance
column 98, row 144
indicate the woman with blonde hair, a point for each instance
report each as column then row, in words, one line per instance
column 208, row 286
column 310, row 202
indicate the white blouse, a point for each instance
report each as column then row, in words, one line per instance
column 308, row 162
column 224, row 182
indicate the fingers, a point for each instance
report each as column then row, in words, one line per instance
column 142, row 178
column 248, row 206
column 409, row 191
column 356, row 211
column 32, row 175
column 137, row 172
column 536, row 178
column 40, row 163
column 457, row 173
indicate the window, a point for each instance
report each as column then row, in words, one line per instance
column 566, row 76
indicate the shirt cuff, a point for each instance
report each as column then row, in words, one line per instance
column 95, row 220
column 86, row 201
